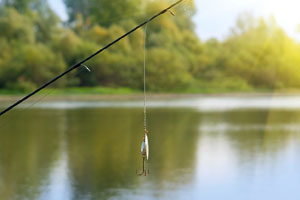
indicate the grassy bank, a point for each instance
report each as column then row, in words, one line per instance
column 76, row 91
column 82, row 91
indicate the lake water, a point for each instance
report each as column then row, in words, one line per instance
column 200, row 148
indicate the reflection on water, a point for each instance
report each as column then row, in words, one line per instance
column 93, row 153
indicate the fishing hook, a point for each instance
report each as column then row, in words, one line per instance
column 143, row 171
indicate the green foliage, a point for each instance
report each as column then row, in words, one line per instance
column 16, row 27
column 261, row 53
column 103, row 12
column 30, row 65
column 36, row 46
column 169, row 67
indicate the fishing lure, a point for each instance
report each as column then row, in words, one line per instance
column 144, row 153
column 145, row 143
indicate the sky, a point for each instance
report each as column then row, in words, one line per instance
column 215, row 18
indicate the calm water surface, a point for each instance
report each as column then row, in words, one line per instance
column 202, row 148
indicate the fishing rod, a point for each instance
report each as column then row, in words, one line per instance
column 88, row 58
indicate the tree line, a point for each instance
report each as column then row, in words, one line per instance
column 36, row 45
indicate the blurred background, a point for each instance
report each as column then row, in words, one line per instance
column 229, row 130
column 209, row 46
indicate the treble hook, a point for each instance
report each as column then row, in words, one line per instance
column 144, row 171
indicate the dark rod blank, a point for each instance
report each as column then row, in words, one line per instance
column 88, row 58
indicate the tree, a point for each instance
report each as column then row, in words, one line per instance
column 103, row 12
column 27, row 6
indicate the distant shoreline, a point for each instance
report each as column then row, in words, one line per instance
column 124, row 93
column 137, row 96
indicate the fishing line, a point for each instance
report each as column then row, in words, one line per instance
column 145, row 97
column 145, row 143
